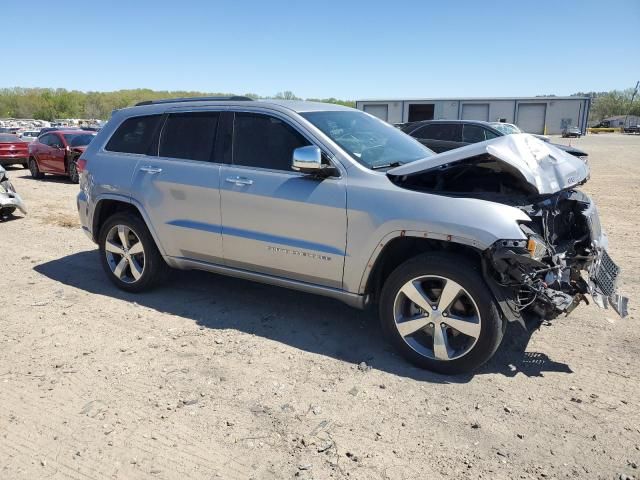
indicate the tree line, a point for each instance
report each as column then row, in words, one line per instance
column 49, row 103
column 614, row 102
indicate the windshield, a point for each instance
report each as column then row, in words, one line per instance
column 369, row 141
column 506, row 128
column 79, row 140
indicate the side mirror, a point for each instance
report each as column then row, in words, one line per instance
column 307, row 159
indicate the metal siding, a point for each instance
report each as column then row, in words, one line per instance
column 380, row 111
column 475, row 111
column 531, row 117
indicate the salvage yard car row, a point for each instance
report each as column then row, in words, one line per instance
column 53, row 150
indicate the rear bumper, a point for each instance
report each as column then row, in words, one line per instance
column 11, row 159
column 83, row 212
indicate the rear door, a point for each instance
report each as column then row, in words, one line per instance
column 275, row 220
column 440, row 137
column 179, row 188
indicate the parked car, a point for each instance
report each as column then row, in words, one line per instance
column 571, row 131
column 331, row 200
column 57, row 152
column 444, row 135
column 29, row 135
column 510, row 128
column 13, row 150
column 55, row 129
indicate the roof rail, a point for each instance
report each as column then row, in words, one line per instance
column 194, row 99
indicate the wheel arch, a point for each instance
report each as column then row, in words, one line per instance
column 107, row 206
column 398, row 248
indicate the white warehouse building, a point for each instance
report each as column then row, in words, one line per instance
column 532, row 114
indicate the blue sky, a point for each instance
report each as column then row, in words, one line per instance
column 346, row 49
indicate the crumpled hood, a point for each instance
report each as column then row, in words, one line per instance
column 547, row 168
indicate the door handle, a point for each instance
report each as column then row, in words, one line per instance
column 239, row 180
column 150, row 169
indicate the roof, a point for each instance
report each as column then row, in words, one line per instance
column 295, row 105
column 420, row 123
column 70, row 131
column 468, row 99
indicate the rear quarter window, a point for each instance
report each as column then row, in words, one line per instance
column 134, row 135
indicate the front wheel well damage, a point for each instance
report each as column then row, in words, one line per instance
column 401, row 249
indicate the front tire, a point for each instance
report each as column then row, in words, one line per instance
column 438, row 312
column 128, row 253
column 7, row 212
column 33, row 168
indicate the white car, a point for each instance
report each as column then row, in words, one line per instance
column 29, row 135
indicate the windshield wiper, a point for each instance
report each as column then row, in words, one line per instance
column 388, row 165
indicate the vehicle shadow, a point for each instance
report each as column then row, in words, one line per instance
column 315, row 324
column 49, row 177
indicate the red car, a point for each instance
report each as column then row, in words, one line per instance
column 57, row 152
column 13, row 150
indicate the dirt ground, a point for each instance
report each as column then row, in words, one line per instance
column 211, row 377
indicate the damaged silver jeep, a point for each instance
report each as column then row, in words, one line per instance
column 330, row 200
column 10, row 201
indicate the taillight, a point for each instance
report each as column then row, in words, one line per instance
column 82, row 164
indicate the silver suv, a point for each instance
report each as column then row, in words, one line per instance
column 330, row 200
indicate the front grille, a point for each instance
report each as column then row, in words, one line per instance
column 606, row 274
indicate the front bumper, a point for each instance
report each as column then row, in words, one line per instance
column 566, row 261
column 9, row 199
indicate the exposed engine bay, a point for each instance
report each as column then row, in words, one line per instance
column 564, row 256
column 563, row 259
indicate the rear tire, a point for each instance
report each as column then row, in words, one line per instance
column 73, row 172
column 456, row 337
column 33, row 168
column 129, row 255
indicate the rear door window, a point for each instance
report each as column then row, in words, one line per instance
column 473, row 134
column 134, row 135
column 190, row 135
column 264, row 141
column 450, row 132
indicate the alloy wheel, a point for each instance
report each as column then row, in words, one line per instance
column 125, row 253
column 437, row 317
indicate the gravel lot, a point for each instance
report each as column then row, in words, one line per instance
column 211, row 377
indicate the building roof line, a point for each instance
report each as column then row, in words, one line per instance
column 449, row 99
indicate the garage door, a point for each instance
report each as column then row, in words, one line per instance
column 531, row 117
column 380, row 111
column 475, row 111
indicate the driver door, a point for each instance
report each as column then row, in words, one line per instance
column 275, row 220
